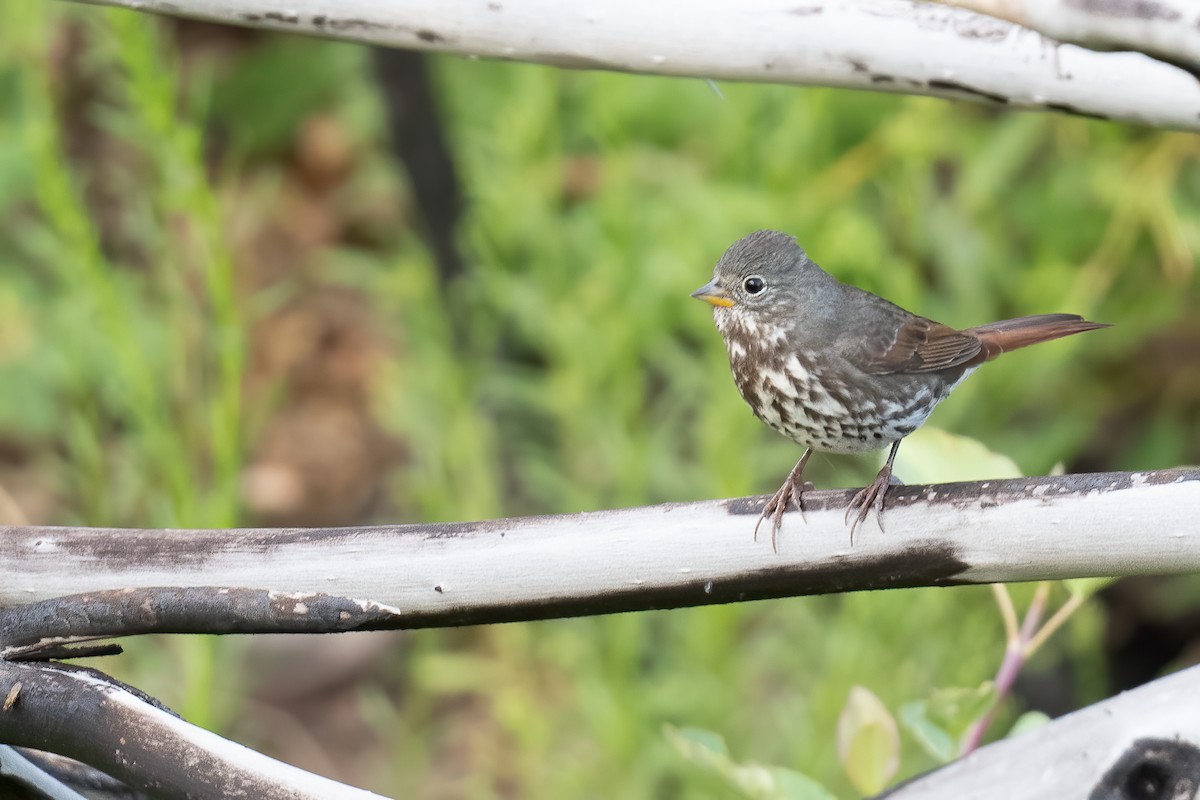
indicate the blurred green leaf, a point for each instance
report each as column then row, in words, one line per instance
column 1086, row 587
column 956, row 708
column 698, row 746
column 939, row 721
column 787, row 784
column 933, row 739
column 1029, row 721
column 868, row 741
column 758, row 781
column 931, row 455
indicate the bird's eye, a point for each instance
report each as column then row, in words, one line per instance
column 753, row 284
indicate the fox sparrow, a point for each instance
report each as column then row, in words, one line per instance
column 838, row 369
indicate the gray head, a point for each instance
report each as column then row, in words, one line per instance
column 765, row 277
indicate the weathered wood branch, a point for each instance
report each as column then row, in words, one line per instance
column 1165, row 29
column 1143, row 743
column 81, row 714
column 70, row 584
column 22, row 778
column 880, row 45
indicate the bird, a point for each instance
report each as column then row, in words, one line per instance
column 837, row 369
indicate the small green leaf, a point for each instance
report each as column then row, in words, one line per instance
column 868, row 742
column 1030, row 720
column 787, row 784
column 933, row 738
column 955, row 708
column 939, row 722
column 761, row 782
column 699, row 746
column 756, row 781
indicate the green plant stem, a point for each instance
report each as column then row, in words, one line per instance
column 1008, row 612
column 1056, row 621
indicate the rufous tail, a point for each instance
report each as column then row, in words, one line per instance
column 1011, row 334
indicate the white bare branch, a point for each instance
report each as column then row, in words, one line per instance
column 881, row 45
column 1149, row 736
column 1165, row 29
column 64, row 584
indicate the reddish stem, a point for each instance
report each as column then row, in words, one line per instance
column 1010, row 667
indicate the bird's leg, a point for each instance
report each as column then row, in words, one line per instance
column 872, row 496
column 788, row 494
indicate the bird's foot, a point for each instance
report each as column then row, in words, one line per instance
column 790, row 494
column 867, row 498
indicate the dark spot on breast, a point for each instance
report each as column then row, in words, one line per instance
column 430, row 36
column 749, row 393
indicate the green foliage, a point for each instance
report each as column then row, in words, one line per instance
column 148, row 351
column 138, row 371
column 708, row 751
column 940, row 721
column 1085, row 587
column 868, row 742
column 931, row 455
column 585, row 377
column 1029, row 721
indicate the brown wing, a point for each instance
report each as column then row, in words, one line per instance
column 920, row 345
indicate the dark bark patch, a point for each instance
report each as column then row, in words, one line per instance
column 1128, row 9
column 1151, row 769
column 1064, row 108
column 954, row 86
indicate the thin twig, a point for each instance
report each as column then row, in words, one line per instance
column 1010, row 666
column 1054, row 623
column 1008, row 613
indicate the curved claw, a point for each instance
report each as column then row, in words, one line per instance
column 871, row 496
column 791, row 493
column 867, row 498
column 788, row 495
